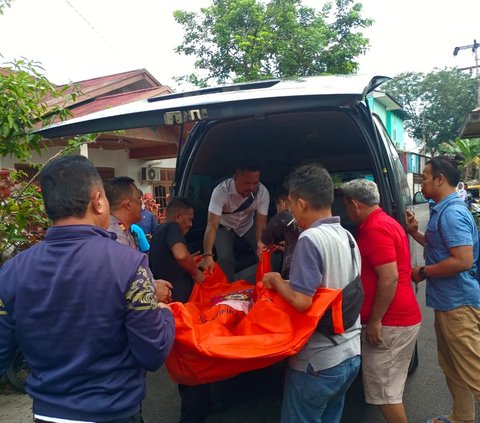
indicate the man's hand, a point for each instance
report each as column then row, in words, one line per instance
column 270, row 279
column 412, row 223
column 416, row 275
column 261, row 248
column 206, row 263
column 163, row 291
column 373, row 332
column 200, row 277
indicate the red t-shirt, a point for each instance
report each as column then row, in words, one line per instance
column 381, row 240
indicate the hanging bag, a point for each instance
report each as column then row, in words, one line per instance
column 215, row 341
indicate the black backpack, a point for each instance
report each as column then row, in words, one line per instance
column 352, row 300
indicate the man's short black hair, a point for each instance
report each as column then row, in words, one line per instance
column 281, row 193
column 67, row 184
column 119, row 188
column 247, row 164
column 313, row 184
column 178, row 204
column 446, row 166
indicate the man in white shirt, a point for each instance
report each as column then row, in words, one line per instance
column 235, row 205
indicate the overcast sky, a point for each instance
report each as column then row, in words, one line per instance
column 81, row 39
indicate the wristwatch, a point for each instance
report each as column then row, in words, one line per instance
column 422, row 272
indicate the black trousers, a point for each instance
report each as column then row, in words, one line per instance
column 196, row 403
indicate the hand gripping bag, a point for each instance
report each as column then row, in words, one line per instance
column 216, row 340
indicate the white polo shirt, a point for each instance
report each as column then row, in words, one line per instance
column 226, row 199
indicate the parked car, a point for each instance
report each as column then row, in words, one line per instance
column 282, row 123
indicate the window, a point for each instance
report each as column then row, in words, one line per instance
column 161, row 190
column 161, row 193
column 106, row 173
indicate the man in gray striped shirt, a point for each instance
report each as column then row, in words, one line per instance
column 320, row 374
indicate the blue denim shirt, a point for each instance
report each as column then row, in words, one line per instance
column 451, row 225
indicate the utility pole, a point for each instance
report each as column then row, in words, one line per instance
column 474, row 48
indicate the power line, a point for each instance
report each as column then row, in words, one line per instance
column 92, row 28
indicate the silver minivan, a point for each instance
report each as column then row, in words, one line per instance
column 281, row 123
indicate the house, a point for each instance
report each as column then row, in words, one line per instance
column 392, row 115
column 127, row 153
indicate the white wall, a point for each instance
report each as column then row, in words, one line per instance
column 116, row 159
column 9, row 162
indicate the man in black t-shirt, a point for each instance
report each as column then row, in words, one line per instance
column 171, row 260
column 169, row 255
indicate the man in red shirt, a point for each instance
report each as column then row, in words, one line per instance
column 390, row 314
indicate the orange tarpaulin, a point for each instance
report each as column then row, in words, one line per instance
column 215, row 339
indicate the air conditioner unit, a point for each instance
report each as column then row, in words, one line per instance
column 150, row 174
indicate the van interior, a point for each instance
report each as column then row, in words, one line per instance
column 279, row 143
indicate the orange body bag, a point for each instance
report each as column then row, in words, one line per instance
column 215, row 340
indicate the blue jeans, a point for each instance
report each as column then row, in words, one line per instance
column 318, row 396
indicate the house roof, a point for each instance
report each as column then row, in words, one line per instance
column 109, row 91
column 135, row 80
column 386, row 100
column 471, row 128
column 109, row 101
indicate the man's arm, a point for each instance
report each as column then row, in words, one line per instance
column 261, row 222
column 8, row 342
column 7, row 339
column 186, row 261
column 412, row 228
column 213, row 221
column 150, row 325
column 300, row 302
column 386, row 287
column 460, row 260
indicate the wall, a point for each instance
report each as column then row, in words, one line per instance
column 396, row 130
column 391, row 120
column 116, row 159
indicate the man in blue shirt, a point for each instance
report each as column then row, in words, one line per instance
column 451, row 256
column 82, row 308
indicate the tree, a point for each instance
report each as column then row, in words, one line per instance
column 437, row 104
column 25, row 98
column 4, row 4
column 469, row 150
column 244, row 40
column 24, row 104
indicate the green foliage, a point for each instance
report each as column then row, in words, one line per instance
column 4, row 4
column 245, row 40
column 28, row 100
column 469, row 150
column 437, row 104
column 23, row 220
column 22, row 217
